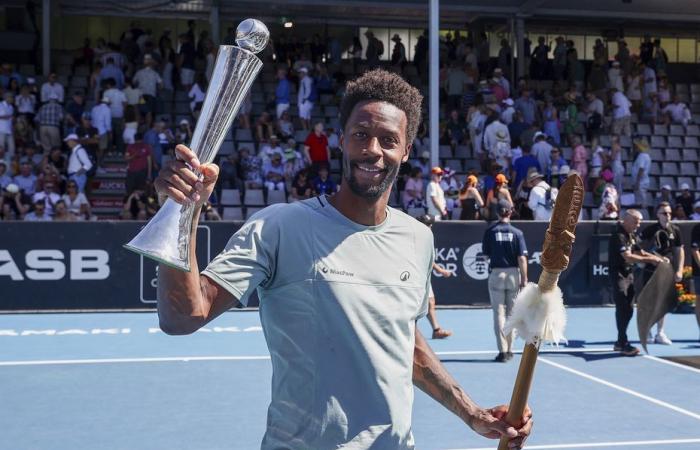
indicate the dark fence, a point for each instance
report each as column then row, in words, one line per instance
column 46, row 266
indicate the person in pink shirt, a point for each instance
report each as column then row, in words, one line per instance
column 580, row 159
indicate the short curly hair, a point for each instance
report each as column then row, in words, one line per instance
column 387, row 87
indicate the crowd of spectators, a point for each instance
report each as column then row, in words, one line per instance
column 52, row 144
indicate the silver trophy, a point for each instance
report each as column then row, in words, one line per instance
column 166, row 237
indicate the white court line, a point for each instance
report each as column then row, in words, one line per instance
column 48, row 362
column 598, row 444
column 672, row 363
column 622, row 389
column 553, row 350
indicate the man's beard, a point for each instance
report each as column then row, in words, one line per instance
column 371, row 192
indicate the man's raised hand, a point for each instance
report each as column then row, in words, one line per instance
column 179, row 182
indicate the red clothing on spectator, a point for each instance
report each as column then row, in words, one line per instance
column 140, row 152
column 317, row 147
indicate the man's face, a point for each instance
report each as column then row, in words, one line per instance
column 664, row 215
column 52, row 78
column 25, row 170
column 374, row 146
column 631, row 223
column 48, row 187
column 39, row 209
column 318, row 128
column 555, row 155
column 60, row 208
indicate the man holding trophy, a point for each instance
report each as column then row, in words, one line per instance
column 342, row 281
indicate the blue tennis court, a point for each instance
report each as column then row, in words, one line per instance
column 114, row 381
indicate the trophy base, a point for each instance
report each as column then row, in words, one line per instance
column 161, row 258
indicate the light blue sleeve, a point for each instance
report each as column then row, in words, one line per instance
column 426, row 249
column 249, row 259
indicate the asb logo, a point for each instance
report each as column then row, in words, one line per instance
column 52, row 265
column 475, row 263
column 405, row 276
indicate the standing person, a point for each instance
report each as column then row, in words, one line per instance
column 101, row 116
column 663, row 238
column 117, row 104
column 640, row 171
column 139, row 157
column 319, row 326
column 435, row 196
column 78, row 162
column 305, row 102
column 505, row 247
column 541, row 198
column 7, row 114
column 50, row 118
column 438, row 332
column 282, row 92
column 471, row 200
column 186, row 61
column 316, row 151
column 148, row 81
column 499, row 193
column 398, row 54
column 624, row 252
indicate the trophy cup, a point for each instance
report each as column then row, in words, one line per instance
column 166, row 237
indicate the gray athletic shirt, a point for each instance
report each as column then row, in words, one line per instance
column 338, row 305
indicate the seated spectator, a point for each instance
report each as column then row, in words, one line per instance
column 650, row 108
column 450, row 188
column 686, row 199
column 323, row 184
column 284, row 127
column 38, row 214
column 13, row 203
column 61, row 213
column 183, row 133
column 264, row 127
column 244, row 112
column 293, row 160
column 75, row 201
column 696, row 212
column 609, row 207
column 270, row 148
column 229, row 172
column 664, row 92
column 679, row 213
column 333, row 140
column 31, row 157
column 456, row 129
column 665, row 195
column 301, row 187
column 209, row 213
column 5, row 178
column 26, row 180
column 273, row 171
column 413, row 193
column 316, row 149
column 139, row 158
column 677, row 112
column 49, row 174
column 251, row 169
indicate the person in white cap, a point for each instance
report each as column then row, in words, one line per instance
column 665, row 195
column 7, row 112
column 101, row 116
column 306, row 97
column 50, row 118
column 508, row 111
column 78, row 162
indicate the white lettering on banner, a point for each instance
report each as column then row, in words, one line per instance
column 46, row 265
column 49, row 265
column 89, row 265
column 8, row 266
column 535, row 259
column 504, row 237
column 450, row 267
column 600, row 270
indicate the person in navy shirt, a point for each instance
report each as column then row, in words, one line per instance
column 322, row 184
column 505, row 247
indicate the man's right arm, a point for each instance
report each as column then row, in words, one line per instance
column 188, row 300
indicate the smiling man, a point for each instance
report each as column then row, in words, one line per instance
column 342, row 281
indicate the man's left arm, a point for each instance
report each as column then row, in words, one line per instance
column 679, row 256
column 430, row 376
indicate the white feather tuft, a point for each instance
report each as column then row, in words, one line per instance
column 537, row 316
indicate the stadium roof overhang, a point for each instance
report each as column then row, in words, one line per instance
column 401, row 12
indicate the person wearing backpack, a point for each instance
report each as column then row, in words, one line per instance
column 79, row 163
column 541, row 198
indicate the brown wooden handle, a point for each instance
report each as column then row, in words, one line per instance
column 521, row 390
